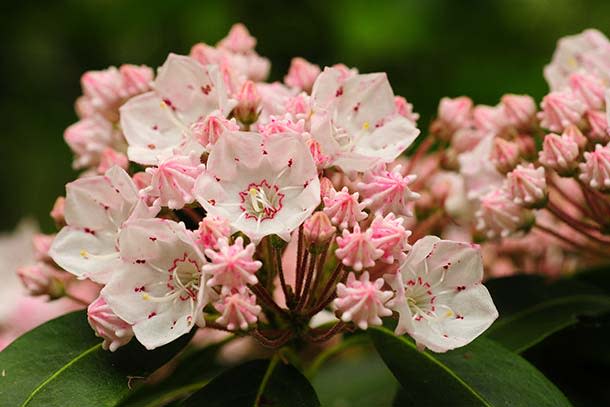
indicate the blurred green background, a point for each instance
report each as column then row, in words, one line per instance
column 430, row 48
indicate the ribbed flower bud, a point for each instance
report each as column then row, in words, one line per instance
column 595, row 171
column 526, row 186
column 248, row 103
column 505, row 155
column 318, row 229
column 559, row 153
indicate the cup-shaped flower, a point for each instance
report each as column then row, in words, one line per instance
column 113, row 330
column 356, row 122
column 439, row 296
column 95, row 210
column 362, row 301
column 158, row 123
column 232, row 265
column 261, row 185
column 159, row 287
column 238, row 308
column 386, row 191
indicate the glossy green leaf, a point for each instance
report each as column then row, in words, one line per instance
column 62, row 363
column 531, row 310
column 482, row 373
column 257, row 383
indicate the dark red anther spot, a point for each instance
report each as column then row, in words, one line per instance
column 446, row 266
column 155, row 127
column 152, row 314
column 151, row 146
column 217, row 179
column 446, row 336
column 357, row 107
column 206, row 89
column 290, row 162
column 460, row 288
column 339, row 92
column 169, row 104
column 459, row 317
column 139, row 289
column 153, row 239
column 91, row 232
column 140, row 261
column 265, row 152
column 236, row 159
column 212, row 202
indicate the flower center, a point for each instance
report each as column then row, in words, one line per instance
column 184, row 278
column 421, row 299
column 261, row 201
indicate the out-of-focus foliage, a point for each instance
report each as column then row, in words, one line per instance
column 429, row 49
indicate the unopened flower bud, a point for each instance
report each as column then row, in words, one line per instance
column 39, row 279
column 301, row 74
column 57, row 213
column 575, row 134
column 318, row 229
column 248, row 102
column 210, row 129
column 107, row 325
column 466, row 139
column 212, row 228
column 598, row 127
column 560, row 109
column 455, row 113
column 238, row 40
column 238, row 308
column 42, row 244
column 505, row 155
column 559, row 153
column 588, row 88
column 136, row 79
column 595, row 171
column 489, row 118
column 498, row 216
column 326, row 186
column 357, row 249
column 281, row 125
column 519, row 110
column 526, row 186
column 405, row 109
column 109, row 158
column 527, row 146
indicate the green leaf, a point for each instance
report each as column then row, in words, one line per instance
column 540, row 309
column 257, row 383
column 482, row 373
column 62, row 363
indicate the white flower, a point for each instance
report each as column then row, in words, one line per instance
column 159, row 287
column 95, row 210
column 439, row 295
column 262, row 186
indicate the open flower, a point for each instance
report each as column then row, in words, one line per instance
column 262, row 186
column 356, row 122
column 95, row 210
column 159, row 286
column 440, row 298
column 158, row 123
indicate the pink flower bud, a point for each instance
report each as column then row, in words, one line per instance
column 136, row 79
column 281, row 125
column 299, row 106
column 598, row 127
column 109, row 158
column 113, row 330
column 575, row 134
column 499, row 216
column 455, row 113
column 595, row 171
column 559, row 153
column 248, row 102
column 466, row 139
column 388, row 191
column 317, row 229
column 361, row 301
column 405, row 109
column 103, row 88
column 173, row 180
column 301, row 74
column 505, row 155
column 42, row 244
column 322, row 160
column 39, row 279
column 238, row 308
column 212, row 228
column 526, row 186
column 232, row 265
column 560, row 109
column 489, row 118
column 238, row 40
column 57, row 213
column 519, row 110
column 343, row 208
column 390, row 236
column 326, row 186
column 587, row 88
column 210, row 129
column 88, row 138
column 357, row 249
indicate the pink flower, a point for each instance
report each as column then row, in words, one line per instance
column 559, row 153
column 158, row 287
column 113, row 330
column 595, row 171
column 343, row 208
column 588, row 88
column 405, row 109
column 238, row 39
column 136, row 79
column 355, row 120
column 598, row 124
column 57, row 213
column 160, row 123
column 281, row 125
column 42, row 244
column 232, row 265
column 321, row 159
column 526, row 186
column 499, row 216
column 261, row 185
column 95, row 210
column 302, row 74
column 518, row 110
column 238, row 308
column 505, row 155
column 103, row 89
column 357, row 249
column 274, row 99
column 89, row 138
column 248, row 102
column 576, row 135
column 466, row 139
column 39, row 279
column 299, row 106
column 560, row 109
column 109, row 158
column 439, row 296
column 361, row 301
column 387, row 191
column 211, row 229
column 390, row 236
column 490, row 118
column 210, row 129
column 318, row 229
column 455, row 113
column 173, row 181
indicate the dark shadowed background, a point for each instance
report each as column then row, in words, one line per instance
column 429, row 48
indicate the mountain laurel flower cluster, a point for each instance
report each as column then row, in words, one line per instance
column 212, row 199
